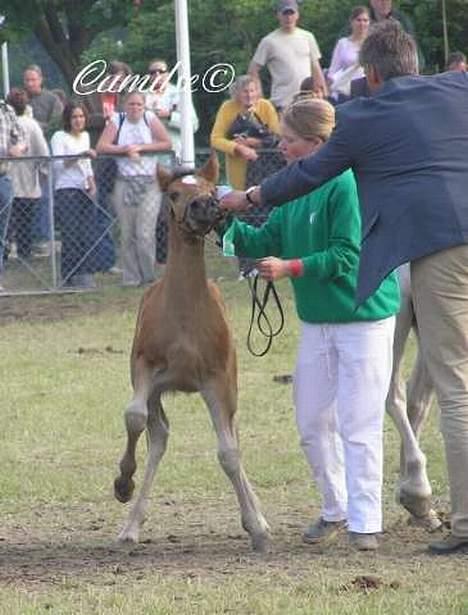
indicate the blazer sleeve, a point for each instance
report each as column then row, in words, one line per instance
column 305, row 175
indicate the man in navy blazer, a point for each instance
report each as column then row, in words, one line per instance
column 408, row 147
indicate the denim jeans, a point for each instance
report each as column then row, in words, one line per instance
column 6, row 199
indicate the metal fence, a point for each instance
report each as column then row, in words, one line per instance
column 67, row 239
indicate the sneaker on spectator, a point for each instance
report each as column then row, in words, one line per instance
column 321, row 531
column 114, row 270
column 83, row 280
column 42, row 250
column 363, row 542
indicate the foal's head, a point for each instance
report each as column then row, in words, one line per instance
column 192, row 195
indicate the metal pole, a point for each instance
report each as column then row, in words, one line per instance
column 5, row 70
column 183, row 56
column 445, row 30
column 53, row 252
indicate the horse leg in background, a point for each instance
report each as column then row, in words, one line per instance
column 420, row 393
column 414, row 490
column 158, row 434
column 221, row 400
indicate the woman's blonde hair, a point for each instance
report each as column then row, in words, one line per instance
column 310, row 118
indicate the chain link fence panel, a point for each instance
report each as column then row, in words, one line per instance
column 69, row 239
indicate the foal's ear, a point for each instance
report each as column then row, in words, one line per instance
column 210, row 170
column 164, row 177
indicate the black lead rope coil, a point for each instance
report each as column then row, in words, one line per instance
column 263, row 322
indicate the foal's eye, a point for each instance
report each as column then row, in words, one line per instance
column 174, row 195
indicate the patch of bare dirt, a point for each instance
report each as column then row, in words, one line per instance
column 50, row 308
column 78, row 544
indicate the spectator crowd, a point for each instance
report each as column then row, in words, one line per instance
column 246, row 130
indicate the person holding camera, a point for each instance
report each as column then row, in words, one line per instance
column 240, row 127
column 244, row 125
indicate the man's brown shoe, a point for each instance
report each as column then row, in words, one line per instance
column 450, row 544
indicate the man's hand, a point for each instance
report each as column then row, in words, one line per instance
column 272, row 268
column 234, row 201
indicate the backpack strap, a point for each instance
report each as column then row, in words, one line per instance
column 121, row 121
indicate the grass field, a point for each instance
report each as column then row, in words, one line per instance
column 64, row 387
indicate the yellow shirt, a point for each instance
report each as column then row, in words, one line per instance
column 236, row 167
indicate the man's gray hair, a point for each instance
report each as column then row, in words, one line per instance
column 390, row 50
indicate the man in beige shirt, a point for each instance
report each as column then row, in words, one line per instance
column 290, row 54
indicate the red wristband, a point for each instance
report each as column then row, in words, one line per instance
column 296, row 268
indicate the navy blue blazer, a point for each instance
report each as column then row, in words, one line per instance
column 408, row 148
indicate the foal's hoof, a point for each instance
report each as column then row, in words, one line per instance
column 128, row 536
column 123, row 489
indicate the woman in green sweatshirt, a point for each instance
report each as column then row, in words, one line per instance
column 344, row 358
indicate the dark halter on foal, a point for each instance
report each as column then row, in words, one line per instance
column 184, row 172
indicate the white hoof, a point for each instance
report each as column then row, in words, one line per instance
column 128, row 535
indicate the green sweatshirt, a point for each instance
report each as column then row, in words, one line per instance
column 323, row 229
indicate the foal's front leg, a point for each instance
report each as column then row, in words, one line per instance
column 136, row 415
column 221, row 399
column 158, row 433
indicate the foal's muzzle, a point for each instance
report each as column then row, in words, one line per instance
column 202, row 214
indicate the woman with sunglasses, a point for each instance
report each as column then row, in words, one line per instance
column 344, row 359
column 164, row 101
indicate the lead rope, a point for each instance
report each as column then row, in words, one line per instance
column 263, row 322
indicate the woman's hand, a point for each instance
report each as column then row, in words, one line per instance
column 249, row 141
column 246, row 152
column 132, row 151
column 272, row 268
column 91, row 153
column 18, row 150
column 91, row 186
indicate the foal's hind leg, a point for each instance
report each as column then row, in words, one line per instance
column 221, row 400
column 158, row 433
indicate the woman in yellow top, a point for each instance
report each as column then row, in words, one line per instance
column 239, row 149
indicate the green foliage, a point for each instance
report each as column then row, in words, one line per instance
column 220, row 32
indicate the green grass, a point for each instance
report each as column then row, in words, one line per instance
column 64, row 387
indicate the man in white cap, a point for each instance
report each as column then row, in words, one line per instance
column 290, row 54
